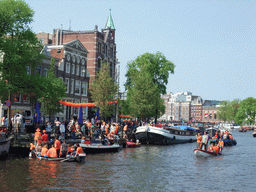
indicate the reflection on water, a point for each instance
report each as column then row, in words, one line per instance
column 147, row 168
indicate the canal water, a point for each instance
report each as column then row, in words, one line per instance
column 147, row 168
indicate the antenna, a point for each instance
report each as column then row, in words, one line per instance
column 69, row 25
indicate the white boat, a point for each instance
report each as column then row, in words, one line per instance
column 4, row 143
column 165, row 136
column 203, row 153
column 99, row 148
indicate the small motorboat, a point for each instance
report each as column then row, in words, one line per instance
column 227, row 142
column 131, row 144
column 99, row 148
column 254, row 134
column 242, row 130
column 203, row 153
column 4, row 144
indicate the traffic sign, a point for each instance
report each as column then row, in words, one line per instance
column 8, row 103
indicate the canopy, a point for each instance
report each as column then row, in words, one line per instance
column 82, row 104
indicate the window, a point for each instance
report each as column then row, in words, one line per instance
column 84, row 88
column 72, row 86
column 38, row 69
column 73, row 69
column 78, row 87
column 25, row 99
column 17, row 98
column 77, row 70
column 68, row 68
column 67, row 85
column 28, row 70
column 82, row 71
column 45, row 72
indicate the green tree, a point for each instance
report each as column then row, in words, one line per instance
column 246, row 111
column 19, row 48
column 53, row 91
column 232, row 108
column 223, row 111
column 103, row 90
column 158, row 69
column 124, row 107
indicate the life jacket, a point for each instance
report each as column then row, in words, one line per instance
column 216, row 148
column 230, row 137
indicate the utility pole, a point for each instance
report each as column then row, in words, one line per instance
column 117, row 80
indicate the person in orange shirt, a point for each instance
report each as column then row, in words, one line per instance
column 44, row 137
column 57, row 145
column 79, row 150
column 107, row 128
column 216, row 149
column 230, row 136
column 199, row 141
column 221, row 144
column 37, row 134
column 44, row 151
column 117, row 127
column 52, row 152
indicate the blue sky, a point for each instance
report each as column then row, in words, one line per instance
column 211, row 42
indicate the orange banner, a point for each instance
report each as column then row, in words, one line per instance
column 82, row 104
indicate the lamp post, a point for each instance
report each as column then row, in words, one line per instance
column 117, row 80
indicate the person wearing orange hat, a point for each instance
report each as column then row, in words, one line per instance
column 37, row 134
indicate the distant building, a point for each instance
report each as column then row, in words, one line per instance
column 44, row 38
column 210, row 111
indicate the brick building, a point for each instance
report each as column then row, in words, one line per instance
column 100, row 44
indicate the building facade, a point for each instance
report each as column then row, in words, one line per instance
column 72, row 69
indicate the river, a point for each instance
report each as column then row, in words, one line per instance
column 147, row 168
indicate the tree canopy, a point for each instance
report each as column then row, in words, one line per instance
column 147, row 77
column 19, row 47
column 103, row 90
column 246, row 112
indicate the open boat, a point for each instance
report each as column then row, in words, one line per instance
column 99, row 148
column 203, row 153
column 69, row 158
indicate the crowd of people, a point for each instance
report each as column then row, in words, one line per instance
column 218, row 144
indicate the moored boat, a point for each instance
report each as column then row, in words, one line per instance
column 254, row 134
column 99, row 148
column 204, row 153
column 130, row 144
column 4, row 144
column 165, row 136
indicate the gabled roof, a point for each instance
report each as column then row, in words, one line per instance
column 77, row 45
column 110, row 23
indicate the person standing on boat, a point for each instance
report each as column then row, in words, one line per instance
column 221, row 144
column 57, row 145
column 199, row 141
column 63, row 149
column 37, row 134
column 205, row 139
column 44, row 137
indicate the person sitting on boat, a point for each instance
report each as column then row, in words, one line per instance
column 221, row 144
column 52, row 152
column 57, row 145
column 205, row 139
column 83, row 139
column 44, row 151
column 199, row 141
column 79, row 150
column 38, row 148
column 216, row 149
column 211, row 147
column 63, row 149
column 230, row 136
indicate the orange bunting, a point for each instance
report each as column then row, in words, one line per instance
column 82, row 104
column 124, row 116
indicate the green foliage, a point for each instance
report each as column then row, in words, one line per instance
column 19, row 46
column 103, row 90
column 53, row 91
column 246, row 111
column 228, row 110
column 147, row 77
column 124, row 107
